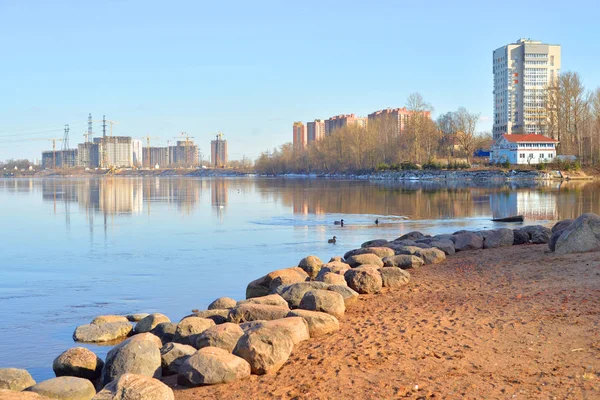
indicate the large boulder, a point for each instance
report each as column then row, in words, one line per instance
column 364, row 259
column 255, row 312
column 431, row 255
column 190, row 328
column 6, row 394
column 65, row 388
column 394, row 277
column 326, row 301
column 211, row 366
column 262, row 286
column 350, row 296
column 319, row 323
column 414, row 235
column 270, row 300
column 224, row 336
column 331, row 278
column 557, row 231
column 538, row 234
column 293, row 293
column 137, row 317
column 265, row 348
column 467, row 241
column 445, row 245
column 219, row 316
column 378, row 251
column 222, row 303
column 103, row 319
column 15, row 379
column 520, row 237
column 364, row 279
column 139, row 354
column 335, row 267
column 94, row 333
column 374, row 243
column 404, row 261
column 79, row 362
column 150, row 322
column 135, row 387
column 311, row 265
column 165, row 331
column 581, row 236
column 295, row 327
column 501, row 237
column 173, row 355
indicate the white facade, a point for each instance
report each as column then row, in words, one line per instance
column 523, row 149
column 137, row 152
column 523, row 71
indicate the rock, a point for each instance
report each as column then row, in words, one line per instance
column 442, row 236
column 428, row 255
column 520, row 237
column 173, row 355
column 498, row 238
column 400, row 243
column 136, row 317
column 374, row 243
column 335, row 267
column 6, row 394
column 363, row 259
column 270, row 300
column 139, row 354
column 65, row 388
column 15, row 379
column 407, row 250
column 224, row 336
column 467, row 241
column 394, row 277
column 266, row 349
column 331, row 278
column 254, row 312
column 319, row 323
column 150, row 322
column 411, row 236
column 165, row 331
column 295, row 327
column 190, row 328
column 350, row 296
column 103, row 319
column 246, row 326
column 378, row 251
column 79, row 362
column 135, row 387
column 102, row 333
column 423, row 245
column 222, row 303
column 218, row 316
column 364, row 280
column 582, row 235
column 404, row 261
column 557, row 231
column 445, row 245
column 538, row 234
column 262, row 286
column 211, row 366
column 293, row 293
column 311, row 265
column 326, row 301
column 336, row 258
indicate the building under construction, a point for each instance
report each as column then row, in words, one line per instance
column 60, row 159
column 88, row 155
column 156, row 156
column 118, row 151
column 185, row 154
column 218, row 151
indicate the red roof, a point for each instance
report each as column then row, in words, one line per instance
column 532, row 137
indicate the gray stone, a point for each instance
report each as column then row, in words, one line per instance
column 218, row 316
column 363, row 259
column 15, row 379
column 224, row 336
column 262, row 286
column 404, row 261
column 165, row 331
column 350, row 296
column 331, row 278
column 445, row 245
column 222, row 303
column 211, row 366
column 102, row 332
column 581, row 236
column 520, row 237
column 139, row 354
column 150, row 322
column 136, row 317
column 336, row 267
column 255, row 312
column 394, row 277
column 190, row 328
column 79, row 362
column 411, row 236
column 557, row 231
column 498, row 238
column 319, row 323
column 270, row 300
column 265, row 349
column 326, row 301
column 364, row 280
column 311, row 265
column 173, row 355
column 293, row 293
column 135, row 387
column 467, row 241
column 65, row 388
column 103, row 319
column 374, row 243
column 295, row 327
column 538, row 234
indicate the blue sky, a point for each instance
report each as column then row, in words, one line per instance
column 251, row 68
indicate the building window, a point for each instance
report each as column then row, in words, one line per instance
column 522, row 155
column 550, row 155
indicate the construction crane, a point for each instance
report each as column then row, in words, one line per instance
column 148, row 149
column 187, row 138
column 54, row 140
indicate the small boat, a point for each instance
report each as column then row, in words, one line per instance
column 516, row 218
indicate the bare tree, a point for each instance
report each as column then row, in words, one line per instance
column 466, row 124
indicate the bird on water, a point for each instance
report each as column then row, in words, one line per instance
column 377, row 221
column 331, row 240
column 340, row 222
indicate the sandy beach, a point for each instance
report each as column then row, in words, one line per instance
column 514, row 322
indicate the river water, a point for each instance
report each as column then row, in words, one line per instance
column 75, row 248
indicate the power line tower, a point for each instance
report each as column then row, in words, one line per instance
column 65, row 144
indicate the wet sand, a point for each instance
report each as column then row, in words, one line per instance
column 515, row 322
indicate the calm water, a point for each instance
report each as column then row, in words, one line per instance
column 72, row 249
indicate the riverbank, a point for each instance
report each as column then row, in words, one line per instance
column 486, row 323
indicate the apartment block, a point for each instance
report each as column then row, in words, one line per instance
column 315, row 130
column 299, row 135
column 339, row 121
column 396, row 118
column 218, row 152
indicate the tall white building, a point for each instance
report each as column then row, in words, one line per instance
column 523, row 71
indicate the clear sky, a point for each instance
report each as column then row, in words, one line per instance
column 251, row 68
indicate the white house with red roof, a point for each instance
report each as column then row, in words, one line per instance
column 523, row 149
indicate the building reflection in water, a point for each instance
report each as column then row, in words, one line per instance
column 219, row 196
